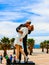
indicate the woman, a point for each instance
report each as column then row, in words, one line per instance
column 19, row 40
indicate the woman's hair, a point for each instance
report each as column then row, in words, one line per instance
column 32, row 27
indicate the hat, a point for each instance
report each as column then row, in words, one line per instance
column 28, row 22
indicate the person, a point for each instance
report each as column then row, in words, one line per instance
column 6, row 57
column 7, row 60
column 1, row 58
column 19, row 40
column 11, row 58
column 24, row 39
column 14, row 60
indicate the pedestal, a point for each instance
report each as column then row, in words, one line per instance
column 22, row 63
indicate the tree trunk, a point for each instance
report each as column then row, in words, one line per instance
column 47, row 49
column 42, row 49
column 5, row 53
column 14, row 51
column 30, row 48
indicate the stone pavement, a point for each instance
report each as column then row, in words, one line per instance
column 38, row 57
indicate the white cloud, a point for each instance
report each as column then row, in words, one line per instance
column 42, row 27
column 10, row 16
column 40, row 32
column 41, row 8
column 41, row 23
column 39, row 39
column 8, row 28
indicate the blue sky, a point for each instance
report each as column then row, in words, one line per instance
column 15, row 12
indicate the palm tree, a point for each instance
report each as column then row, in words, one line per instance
column 5, row 40
column 43, row 45
column 5, row 44
column 0, row 46
column 12, row 41
column 30, row 43
column 47, row 46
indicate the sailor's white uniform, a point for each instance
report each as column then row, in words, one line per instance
column 21, row 36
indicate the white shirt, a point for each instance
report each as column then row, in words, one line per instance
column 21, row 36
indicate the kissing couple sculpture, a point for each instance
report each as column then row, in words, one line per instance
column 20, row 42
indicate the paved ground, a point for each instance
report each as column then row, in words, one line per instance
column 38, row 57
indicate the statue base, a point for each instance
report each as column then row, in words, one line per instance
column 22, row 63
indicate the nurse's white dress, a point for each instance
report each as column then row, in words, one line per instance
column 19, row 36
